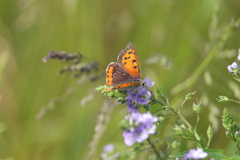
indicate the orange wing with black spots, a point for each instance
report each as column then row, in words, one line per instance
column 128, row 58
column 119, row 78
column 115, row 75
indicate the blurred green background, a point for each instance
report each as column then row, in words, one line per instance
column 180, row 35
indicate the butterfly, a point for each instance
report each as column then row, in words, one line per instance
column 126, row 72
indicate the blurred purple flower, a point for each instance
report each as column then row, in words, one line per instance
column 231, row 68
column 108, row 148
column 195, row 154
column 140, row 126
column 108, row 152
column 140, row 95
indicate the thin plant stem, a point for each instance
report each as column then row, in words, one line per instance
column 154, row 148
column 159, row 102
column 237, row 76
column 186, row 122
column 234, row 101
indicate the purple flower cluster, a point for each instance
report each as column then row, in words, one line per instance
column 108, row 152
column 234, row 68
column 139, row 127
column 195, row 154
column 139, row 95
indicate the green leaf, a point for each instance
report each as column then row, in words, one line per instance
column 189, row 138
column 190, row 133
column 235, row 157
column 216, row 154
column 202, row 143
column 180, row 154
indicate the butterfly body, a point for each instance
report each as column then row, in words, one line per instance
column 125, row 73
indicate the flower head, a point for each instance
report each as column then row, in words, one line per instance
column 108, row 152
column 139, row 127
column 148, row 82
column 139, row 95
column 108, row 148
column 195, row 154
column 233, row 68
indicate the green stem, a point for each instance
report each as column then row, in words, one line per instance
column 154, row 148
column 183, row 103
column 234, row 101
column 237, row 76
column 186, row 122
column 159, row 102
column 209, row 141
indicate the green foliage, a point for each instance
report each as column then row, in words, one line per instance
column 228, row 121
column 57, row 117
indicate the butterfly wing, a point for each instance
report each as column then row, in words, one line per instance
column 115, row 74
column 119, row 78
column 128, row 59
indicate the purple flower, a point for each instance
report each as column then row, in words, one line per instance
column 108, row 148
column 195, row 154
column 148, row 82
column 140, row 126
column 233, row 68
column 139, row 95
column 108, row 152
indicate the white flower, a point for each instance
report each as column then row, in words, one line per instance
column 195, row 154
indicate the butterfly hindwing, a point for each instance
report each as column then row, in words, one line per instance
column 127, row 85
column 128, row 58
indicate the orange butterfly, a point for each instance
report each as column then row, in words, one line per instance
column 126, row 72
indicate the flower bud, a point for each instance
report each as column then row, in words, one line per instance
column 228, row 134
column 197, row 107
column 237, row 135
column 189, row 95
column 177, row 130
column 222, row 99
column 166, row 108
column 161, row 118
column 210, row 131
column 121, row 100
column 159, row 90
column 175, row 144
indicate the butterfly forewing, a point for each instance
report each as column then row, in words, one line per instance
column 129, row 60
column 116, row 75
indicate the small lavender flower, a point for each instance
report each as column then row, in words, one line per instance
column 141, row 95
column 108, row 148
column 195, row 154
column 233, row 68
column 140, row 126
column 108, row 152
